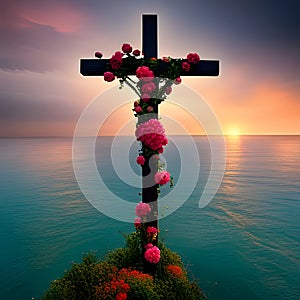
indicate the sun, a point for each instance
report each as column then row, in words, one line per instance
column 234, row 132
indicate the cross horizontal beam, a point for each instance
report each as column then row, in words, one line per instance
column 96, row 67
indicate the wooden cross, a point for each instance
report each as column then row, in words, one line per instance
column 97, row 67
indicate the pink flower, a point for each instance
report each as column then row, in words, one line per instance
column 151, row 230
column 109, row 76
column 177, row 80
column 152, row 255
column 148, row 246
column 193, row 58
column 140, row 160
column 162, row 177
column 144, row 74
column 136, row 52
column 116, row 60
column 186, row 66
column 149, row 109
column 168, row 90
column 146, row 97
column 152, row 134
column 148, row 87
column 137, row 222
column 142, row 209
column 98, row 54
column 126, row 48
column 138, row 109
column 160, row 150
column 135, row 104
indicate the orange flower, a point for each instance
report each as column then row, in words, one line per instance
column 175, row 271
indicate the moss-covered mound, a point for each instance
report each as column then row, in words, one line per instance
column 120, row 276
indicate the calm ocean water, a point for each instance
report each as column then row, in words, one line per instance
column 244, row 245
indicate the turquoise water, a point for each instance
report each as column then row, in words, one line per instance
column 244, row 245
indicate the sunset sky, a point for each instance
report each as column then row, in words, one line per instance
column 257, row 43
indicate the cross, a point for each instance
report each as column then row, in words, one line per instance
column 97, row 67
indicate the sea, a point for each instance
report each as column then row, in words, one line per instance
column 244, row 244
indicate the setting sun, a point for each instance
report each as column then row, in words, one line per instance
column 234, row 132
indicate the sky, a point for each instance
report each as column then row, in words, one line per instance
column 257, row 43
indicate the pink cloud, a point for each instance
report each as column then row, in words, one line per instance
column 62, row 18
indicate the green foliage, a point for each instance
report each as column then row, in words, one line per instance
column 92, row 279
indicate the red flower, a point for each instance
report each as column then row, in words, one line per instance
column 193, row 58
column 109, row 76
column 148, row 87
column 140, row 160
column 142, row 209
column 186, row 66
column 166, row 59
column 137, row 222
column 162, row 177
column 98, row 54
column 138, row 109
column 121, row 296
column 116, row 60
column 136, row 103
column 126, row 48
column 177, row 80
column 144, row 74
column 136, row 52
column 146, row 97
column 149, row 109
column 151, row 230
column 152, row 255
column 168, row 90
column 160, row 150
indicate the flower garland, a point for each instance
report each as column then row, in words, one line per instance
column 152, row 84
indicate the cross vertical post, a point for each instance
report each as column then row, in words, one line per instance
column 149, row 187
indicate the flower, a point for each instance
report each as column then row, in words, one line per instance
column 142, row 209
column 151, row 230
column 98, row 54
column 140, row 160
column 149, row 109
column 136, row 52
column 136, row 103
column 126, row 48
column 109, row 76
column 148, row 87
column 116, row 60
column 144, row 74
column 162, row 177
column 175, row 270
column 152, row 134
column 146, row 97
column 138, row 109
column 148, row 246
column 166, row 59
column 168, row 90
column 137, row 222
column 177, row 80
column 193, row 58
column 152, row 255
column 186, row 66
column 121, row 296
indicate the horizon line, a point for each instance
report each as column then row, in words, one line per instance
column 111, row 135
